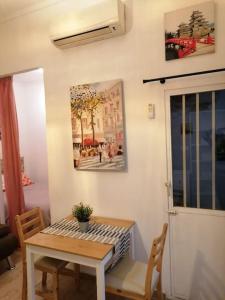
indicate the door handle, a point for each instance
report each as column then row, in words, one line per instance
column 172, row 212
column 168, row 187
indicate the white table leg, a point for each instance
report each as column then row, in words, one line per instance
column 100, row 277
column 30, row 274
column 132, row 250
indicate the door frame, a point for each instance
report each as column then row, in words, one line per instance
column 176, row 210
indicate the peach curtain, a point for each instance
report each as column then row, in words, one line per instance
column 10, row 151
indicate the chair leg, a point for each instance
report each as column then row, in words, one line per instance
column 77, row 275
column 159, row 289
column 24, row 284
column 44, row 278
column 10, row 263
column 55, row 286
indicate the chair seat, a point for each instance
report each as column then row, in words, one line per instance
column 129, row 275
column 49, row 264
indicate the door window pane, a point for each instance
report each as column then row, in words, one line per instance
column 205, row 149
column 220, row 149
column 198, row 149
column 176, row 135
column 190, row 134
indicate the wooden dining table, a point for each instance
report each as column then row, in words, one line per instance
column 84, row 252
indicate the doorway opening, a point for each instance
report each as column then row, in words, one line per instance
column 29, row 95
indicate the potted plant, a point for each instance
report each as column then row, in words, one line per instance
column 82, row 213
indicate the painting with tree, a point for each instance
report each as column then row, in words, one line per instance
column 190, row 31
column 97, row 115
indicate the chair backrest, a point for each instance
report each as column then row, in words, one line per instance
column 155, row 260
column 28, row 224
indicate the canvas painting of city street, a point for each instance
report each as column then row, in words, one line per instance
column 97, row 116
column 190, row 31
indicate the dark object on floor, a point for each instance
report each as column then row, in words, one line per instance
column 8, row 243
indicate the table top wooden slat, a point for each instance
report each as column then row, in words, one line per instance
column 70, row 245
column 84, row 248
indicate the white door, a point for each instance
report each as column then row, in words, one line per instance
column 196, row 173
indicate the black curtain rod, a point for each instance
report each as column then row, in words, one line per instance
column 163, row 79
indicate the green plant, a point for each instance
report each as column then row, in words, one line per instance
column 82, row 212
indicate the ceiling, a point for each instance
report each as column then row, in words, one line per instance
column 10, row 9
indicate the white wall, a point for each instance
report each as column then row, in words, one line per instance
column 138, row 194
column 30, row 103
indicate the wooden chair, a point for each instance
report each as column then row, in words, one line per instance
column 136, row 280
column 28, row 224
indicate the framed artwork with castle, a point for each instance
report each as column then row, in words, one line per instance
column 190, row 31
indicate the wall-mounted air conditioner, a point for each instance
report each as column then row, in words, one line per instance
column 100, row 21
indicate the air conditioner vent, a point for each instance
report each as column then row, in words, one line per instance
column 82, row 38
